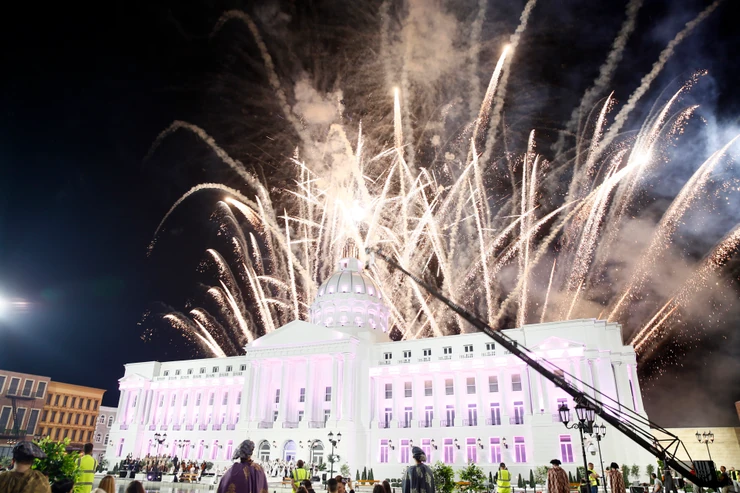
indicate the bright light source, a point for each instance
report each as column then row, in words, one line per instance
column 4, row 305
column 357, row 212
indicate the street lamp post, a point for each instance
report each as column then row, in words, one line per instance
column 706, row 438
column 160, row 439
column 599, row 432
column 334, row 443
column 585, row 423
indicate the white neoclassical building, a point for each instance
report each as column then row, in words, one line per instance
column 461, row 398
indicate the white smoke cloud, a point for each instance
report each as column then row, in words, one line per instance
column 314, row 108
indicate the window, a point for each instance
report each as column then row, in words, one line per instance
column 74, row 435
column 202, row 371
column 229, row 368
column 89, row 403
column 185, row 401
column 468, row 348
column 13, row 388
column 472, row 415
column 53, row 416
column 74, row 401
column 327, row 395
column 388, row 415
column 239, row 398
column 426, row 446
column 65, row 400
column 389, row 391
column 408, row 416
column 300, row 418
column 197, row 399
column 225, row 400
column 404, row 452
column 516, row 382
column 518, row 413
column 427, row 352
column 65, row 434
column 406, row 354
column 161, row 400
column 241, row 368
column 173, row 400
column 77, row 419
column 56, row 400
column 447, row 350
column 490, row 346
column 27, row 388
column 215, row 369
column 190, row 371
column 56, row 434
column 450, row 415
column 45, row 416
column 471, row 450
column 212, row 396
column 383, row 452
column 495, row 450
column 84, row 420
column 495, row 414
column 327, row 413
column 449, row 387
column 471, row 385
column 98, row 438
column 427, row 388
column 407, row 389
column 302, row 395
column 493, row 383
column 19, row 416
column 80, row 404
column 2, row 383
column 69, row 418
column 428, row 416
column 449, row 451
column 166, row 373
column 274, row 416
column 101, row 420
column 566, row 449
column 520, row 450
column 105, row 440
column 177, row 372
column 387, row 356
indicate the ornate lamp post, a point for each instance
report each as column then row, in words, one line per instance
column 706, row 438
column 585, row 424
column 334, row 443
column 599, row 432
column 160, row 439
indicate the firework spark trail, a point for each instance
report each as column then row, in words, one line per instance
column 474, row 52
column 641, row 334
column 669, row 222
column 501, row 93
column 549, row 287
column 181, row 322
column 527, row 174
column 647, row 80
column 203, row 319
column 606, row 71
column 482, row 246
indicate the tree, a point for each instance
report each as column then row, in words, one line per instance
column 650, row 469
column 357, row 476
column 570, row 477
column 102, row 465
column 364, row 473
column 444, row 477
column 475, row 476
column 370, row 475
column 58, row 464
column 344, row 470
column 520, row 481
column 531, row 479
column 626, row 475
column 635, row 472
column 540, row 475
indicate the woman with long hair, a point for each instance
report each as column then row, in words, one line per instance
column 135, row 487
column 107, row 485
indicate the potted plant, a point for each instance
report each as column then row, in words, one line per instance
column 58, row 464
column 444, row 477
column 473, row 475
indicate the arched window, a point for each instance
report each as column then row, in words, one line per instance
column 105, row 440
column 98, row 437
column 264, row 451
column 102, row 419
column 110, row 421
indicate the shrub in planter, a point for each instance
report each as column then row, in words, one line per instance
column 475, row 476
column 58, row 464
column 444, row 477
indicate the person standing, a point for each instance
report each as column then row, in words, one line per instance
column 593, row 478
column 616, row 480
column 419, row 478
column 735, row 477
column 657, row 483
column 244, row 476
column 503, row 479
column 87, row 465
column 23, row 479
column 724, row 479
column 299, row 475
column 557, row 479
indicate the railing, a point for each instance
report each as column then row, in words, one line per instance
column 124, row 426
column 470, row 422
column 423, row 359
column 493, row 422
column 202, row 427
column 384, row 424
column 488, row 353
column 404, row 360
column 384, row 362
column 446, row 423
column 290, row 424
column 163, row 427
column 176, row 427
column 265, row 425
column 223, row 374
column 404, row 424
column 425, row 424
column 465, row 356
column 516, row 420
column 231, row 427
column 189, row 427
column 152, row 427
column 238, row 373
column 317, row 424
column 444, row 356
column 216, row 427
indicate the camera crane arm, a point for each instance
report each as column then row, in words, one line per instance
column 623, row 423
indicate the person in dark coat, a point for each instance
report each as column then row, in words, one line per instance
column 245, row 476
column 419, row 477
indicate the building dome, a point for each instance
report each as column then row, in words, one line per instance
column 349, row 298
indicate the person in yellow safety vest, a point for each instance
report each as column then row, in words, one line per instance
column 503, row 479
column 86, row 476
column 299, row 474
column 593, row 478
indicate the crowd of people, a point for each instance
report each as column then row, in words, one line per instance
column 163, row 464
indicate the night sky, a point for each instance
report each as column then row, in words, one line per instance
column 85, row 92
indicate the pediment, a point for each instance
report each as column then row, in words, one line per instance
column 296, row 333
column 555, row 347
column 133, row 377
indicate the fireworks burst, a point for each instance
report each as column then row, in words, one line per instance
column 477, row 220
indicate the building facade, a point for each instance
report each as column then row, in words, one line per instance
column 21, row 403
column 103, row 425
column 462, row 398
column 71, row 411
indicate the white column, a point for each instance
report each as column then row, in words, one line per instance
column 546, row 395
column 285, row 375
column 504, row 384
column 247, row 391
column 121, row 414
column 636, row 388
column 308, row 405
column 623, row 386
column 417, row 394
column 348, row 387
column 481, row 388
column 526, row 390
column 461, row 410
column 586, row 376
column 255, row 386
column 334, row 387
column 397, row 401
column 438, row 389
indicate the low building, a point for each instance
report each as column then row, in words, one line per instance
column 724, row 447
column 21, row 403
column 103, row 426
column 71, row 411
column 461, row 398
